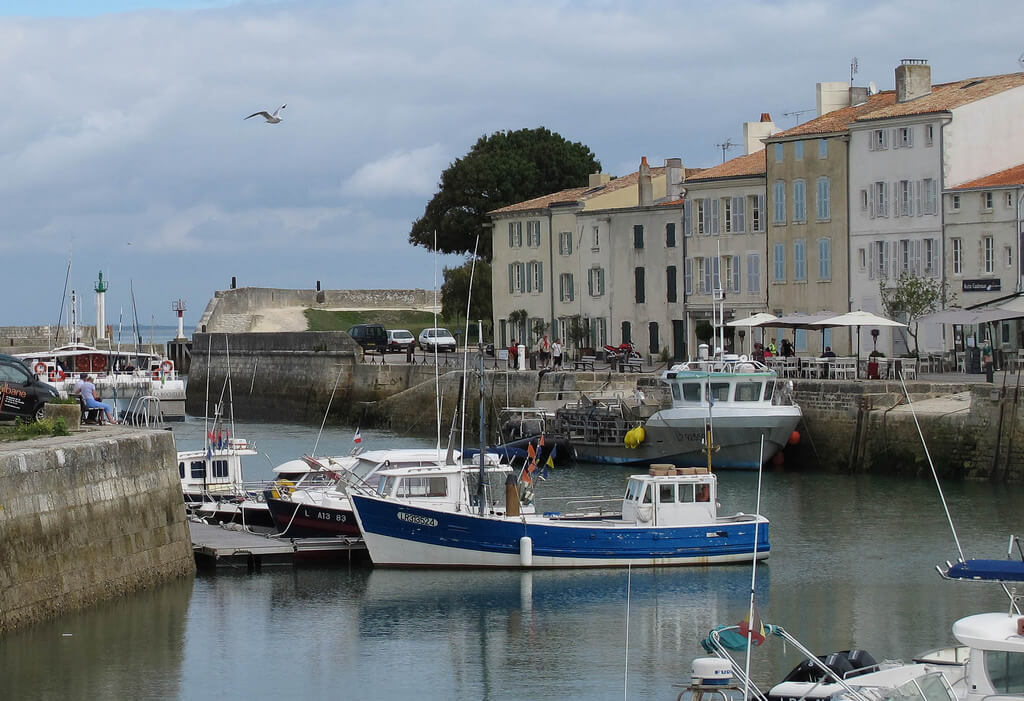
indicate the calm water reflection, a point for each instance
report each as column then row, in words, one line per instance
column 852, row 565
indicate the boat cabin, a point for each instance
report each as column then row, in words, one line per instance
column 741, row 382
column 452, row 485
column 216, row 470
column 670, row 496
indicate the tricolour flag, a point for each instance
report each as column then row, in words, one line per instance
column 358, row 438
column 753, row 626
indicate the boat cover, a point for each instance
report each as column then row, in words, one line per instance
column 986, row 570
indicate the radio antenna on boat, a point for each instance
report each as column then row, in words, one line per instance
column 329, row 402
column 935, row 475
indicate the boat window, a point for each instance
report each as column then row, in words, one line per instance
column 691, row 391
column 720, row 391
column 423, row 487
column 703, row 492
column 748, row 391
column 768, row 391
column 633, row 488
column 930, row 687
column 676, row 392
column 220, row 468
column 666, row 494
column 385, row 486
column 198, row 469
column 1005, row 671
column 647, row 495
column 181, row 470
column 686, row 493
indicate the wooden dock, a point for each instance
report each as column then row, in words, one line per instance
column 217, row 547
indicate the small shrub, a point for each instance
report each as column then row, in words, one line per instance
column 64, row 400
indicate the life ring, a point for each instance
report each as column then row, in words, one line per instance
column 166, row 367
column 40, row 368
column 57, row 375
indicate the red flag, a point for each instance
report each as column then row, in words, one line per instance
column 752, row 624
column 358, row 438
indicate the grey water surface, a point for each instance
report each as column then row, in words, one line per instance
column 852, row 565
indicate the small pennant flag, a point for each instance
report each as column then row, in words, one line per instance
column 752, row 625
column 358, row 438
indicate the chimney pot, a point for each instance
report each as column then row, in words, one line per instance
column 766, row 117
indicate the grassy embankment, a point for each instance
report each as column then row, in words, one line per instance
column 412, row 321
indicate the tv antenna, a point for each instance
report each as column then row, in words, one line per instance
column 725, row 146
column 796, row 114
column 1020, row 60
column 853, row 69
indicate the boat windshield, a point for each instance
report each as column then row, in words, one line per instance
column 768, row 391
column 748, row 390
column 720, row 391
column 633, row 489
column 1005, row 671
column 930, row 687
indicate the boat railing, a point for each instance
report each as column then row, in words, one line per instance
column 144, row 411
column 586, row 504
column 739, row 366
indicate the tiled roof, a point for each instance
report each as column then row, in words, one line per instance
column 838, row 120
column 578, row 194
column 947, row 96
column 753, row 164
column 1010, row 176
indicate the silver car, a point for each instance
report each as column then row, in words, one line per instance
column 437, row 338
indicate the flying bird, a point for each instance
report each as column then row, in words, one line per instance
column 271, row 118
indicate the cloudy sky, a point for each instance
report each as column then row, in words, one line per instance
column 123, row 144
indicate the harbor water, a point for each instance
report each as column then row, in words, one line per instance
column 852, row 565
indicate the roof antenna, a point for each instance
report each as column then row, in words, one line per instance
column 725, row 146
column 853, row 69
column 796, row 114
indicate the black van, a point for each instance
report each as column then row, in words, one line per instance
column 372, row 337
column 21, row 393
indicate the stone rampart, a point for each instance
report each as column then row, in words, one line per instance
column 87, row 518
column 27, row 339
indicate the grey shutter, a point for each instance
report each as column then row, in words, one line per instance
column 687, row 218
column 511, row 279
column 714, row 215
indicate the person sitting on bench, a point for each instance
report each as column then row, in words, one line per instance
column 88, row 392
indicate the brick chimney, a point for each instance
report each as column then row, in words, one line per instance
column 913, row 79
column 644, row 186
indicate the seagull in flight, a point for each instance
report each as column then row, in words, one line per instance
column 271, row 118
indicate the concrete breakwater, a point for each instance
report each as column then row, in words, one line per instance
column 87, row 517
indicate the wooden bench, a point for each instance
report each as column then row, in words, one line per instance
column 586, row 362
column 631, row 365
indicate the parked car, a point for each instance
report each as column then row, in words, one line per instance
column 400, row 340
column 22, row 394
column 438, row 338
column 372, row 337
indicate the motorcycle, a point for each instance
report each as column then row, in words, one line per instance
column 624, row 351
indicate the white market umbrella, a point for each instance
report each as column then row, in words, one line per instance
column 858, row 318
column 753, row 320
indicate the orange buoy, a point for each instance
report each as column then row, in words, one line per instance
column 778, row 459
column 794, row 438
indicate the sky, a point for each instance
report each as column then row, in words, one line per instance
column 124, row 148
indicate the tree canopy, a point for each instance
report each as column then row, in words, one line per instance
column 501, row 169
column 912, row 297
column 455, row 292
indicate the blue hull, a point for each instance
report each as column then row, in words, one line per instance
column 401, row 535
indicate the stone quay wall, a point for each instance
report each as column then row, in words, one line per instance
column 85, row 518
column 28, row 339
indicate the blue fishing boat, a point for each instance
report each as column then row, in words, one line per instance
column 668, row 516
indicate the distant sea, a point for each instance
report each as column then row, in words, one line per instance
column 158, row 335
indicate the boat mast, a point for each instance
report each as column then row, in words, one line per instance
column 481, row 494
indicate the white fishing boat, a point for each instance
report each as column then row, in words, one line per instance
column 667, row 517
column 730, row 402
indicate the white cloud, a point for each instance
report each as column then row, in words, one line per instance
column 414, row 172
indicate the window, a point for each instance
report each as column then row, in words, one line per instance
column 638, row 278
column 565, row 243
column 533, row 234
column 880, row 250
column 988, row 253
column 779, row 155
column 670, row 235
column 652, row 337
column 757, row 213
column 864, row 199
column 701, row 284
column 688, row 218
column 688, row 277
column 929, row 195
column 930, row 257
column 779, row 193
column 986, row 201
column 822, row 148
column 596, row 240
column 905, row 256
column 599, row 331
column 730, row 273
column 824, row 259
column 823, row 201
column 929, row 134
column 879, row 140
column 780, row 262
column 595, row 282
column 799, row 200
column 1008, row 256
column 638, row 236
column 515, row 234
column 955, row 203
column 798, row 150
column 181, row 470
column 905, row 206
column 1009, row 199
column 198, row 468
column 220, row 468
column 516, row 277
column 880, row 199
column 748, row 391
column 736, row 221
column 670, row 284
column 753, row 272
column 702, row 225
column 800, row 340
column 862, row 258
column 534, row 276
column 565, row 287
column 727, row 215
column 716, row 279
column 800, row 260
column 627, row 332
column 958, row 256
column 904, row 137
column 1005, row 671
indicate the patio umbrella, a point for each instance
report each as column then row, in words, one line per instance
column 753, row 320
column 800, row 321
column 858, row 318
